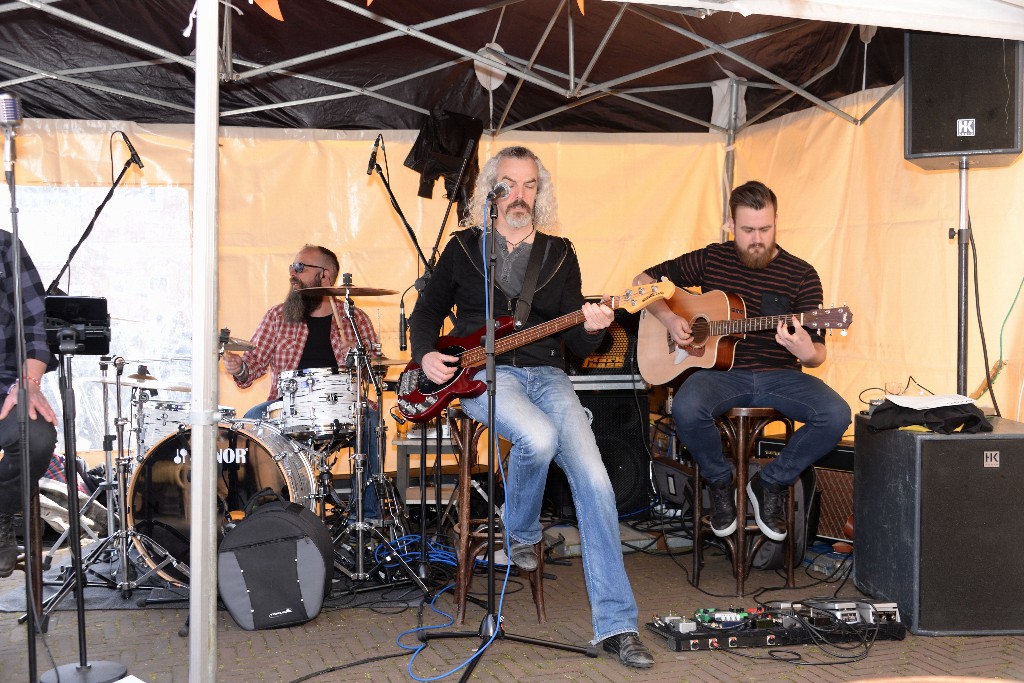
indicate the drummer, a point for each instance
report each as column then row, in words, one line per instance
column 302, row 333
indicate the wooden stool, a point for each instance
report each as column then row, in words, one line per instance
column 472, row 532
column 740, row 428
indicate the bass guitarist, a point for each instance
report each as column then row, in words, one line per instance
column 767, row 367
column 536, row 407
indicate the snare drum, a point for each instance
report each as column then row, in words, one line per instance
column 250, row 458
column 317, row 402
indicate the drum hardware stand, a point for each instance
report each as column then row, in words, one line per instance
column 121, row 536
column 361, row 527
column 108, row 483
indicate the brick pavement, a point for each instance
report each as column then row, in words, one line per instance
column 345, row 639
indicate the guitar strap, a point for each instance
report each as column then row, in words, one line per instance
column 525, row 302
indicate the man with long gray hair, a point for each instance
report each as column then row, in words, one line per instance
column 536, row 407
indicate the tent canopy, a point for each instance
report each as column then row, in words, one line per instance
column 551, row 65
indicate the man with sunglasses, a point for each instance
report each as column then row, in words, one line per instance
column 302, row 333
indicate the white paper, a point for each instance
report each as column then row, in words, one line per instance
column 928, row 402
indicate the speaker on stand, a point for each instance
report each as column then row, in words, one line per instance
column 962, row 108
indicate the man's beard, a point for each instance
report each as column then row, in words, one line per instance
column 516, row 220
column 297, row 307
column 758, row 259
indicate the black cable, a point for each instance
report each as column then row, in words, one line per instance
column 981, row 326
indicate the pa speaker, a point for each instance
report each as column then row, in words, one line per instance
column 963, row 98
column 938, row 527
column 619, row 420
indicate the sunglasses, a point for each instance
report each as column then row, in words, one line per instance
column 298, row 267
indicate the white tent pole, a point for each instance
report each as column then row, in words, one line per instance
column 729, row 163
column 203, row 557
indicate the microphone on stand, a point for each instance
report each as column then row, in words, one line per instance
column 131, row 149
column 500, row 191
column 373, row 156
column 403, row 328
column 10, row 118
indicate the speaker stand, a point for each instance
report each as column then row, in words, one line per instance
column 963, row 240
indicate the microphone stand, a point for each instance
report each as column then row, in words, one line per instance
column 490, row 626
column 93, row 672
column 52, row 289
column 33, row 573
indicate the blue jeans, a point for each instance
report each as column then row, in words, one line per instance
column 537, row 410
column 802, row 397
column 371, row 504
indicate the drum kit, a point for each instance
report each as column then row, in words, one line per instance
column 289, row 451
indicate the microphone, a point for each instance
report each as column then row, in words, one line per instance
column 10, row 118
column 500, row 191
column 403, row 328
column 131, row 149
column 373, row 156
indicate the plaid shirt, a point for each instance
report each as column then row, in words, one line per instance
column 34, row 310
column 279, row 346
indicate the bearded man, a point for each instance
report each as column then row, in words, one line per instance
column 302, row 333
column 768, row 366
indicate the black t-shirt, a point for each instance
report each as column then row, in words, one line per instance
column 318, row 352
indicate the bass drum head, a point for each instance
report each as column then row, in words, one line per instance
column 250, row 458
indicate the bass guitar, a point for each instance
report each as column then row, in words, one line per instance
column 718, row 321
column 420, row 400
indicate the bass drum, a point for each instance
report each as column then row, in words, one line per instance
column 251, row 457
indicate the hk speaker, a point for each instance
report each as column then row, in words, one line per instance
column 620, row 424
column 937, row 526
column 963, row 98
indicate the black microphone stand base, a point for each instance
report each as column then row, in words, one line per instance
column 490, row 627
column 94, row 672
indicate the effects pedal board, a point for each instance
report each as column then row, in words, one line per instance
column 781, row 623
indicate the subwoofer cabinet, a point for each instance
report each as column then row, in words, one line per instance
column 939, row 528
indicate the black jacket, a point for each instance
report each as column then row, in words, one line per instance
column 458, row 282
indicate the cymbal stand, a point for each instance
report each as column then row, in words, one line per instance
column 108, row 483
column 362, row 361
column 123, row 535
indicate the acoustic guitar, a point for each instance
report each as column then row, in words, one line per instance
column 718, row 321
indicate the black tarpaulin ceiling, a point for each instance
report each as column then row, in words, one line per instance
column 614, row 67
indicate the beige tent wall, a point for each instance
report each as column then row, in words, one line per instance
column 873, row 224
column 876, row 227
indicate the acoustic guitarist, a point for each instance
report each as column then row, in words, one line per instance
column 536, row 409
column 767, row 366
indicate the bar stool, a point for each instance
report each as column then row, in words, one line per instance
column 740, row 428
column 472, row 532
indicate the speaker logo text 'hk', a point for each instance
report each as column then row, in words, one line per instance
column 965, row 128
column 991, row 458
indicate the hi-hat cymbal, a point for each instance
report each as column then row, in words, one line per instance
column 142, row 374
column 236, row 344
column 346, row 291
column 140, row 384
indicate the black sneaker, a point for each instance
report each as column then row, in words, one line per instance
column 769, row 503
column 8, row 546
column 723, row 508
column 630, row 649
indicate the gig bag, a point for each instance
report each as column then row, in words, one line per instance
column 275, row 567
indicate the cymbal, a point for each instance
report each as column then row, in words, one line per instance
column 387, row 362
column 140, row 384
column 349, row 291
column 236, row 344
column 142, row 374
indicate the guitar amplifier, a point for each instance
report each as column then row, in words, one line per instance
column 616, row 355
column 835, row 482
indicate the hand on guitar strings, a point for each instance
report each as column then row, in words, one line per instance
column 597, row 316
column 439, row 367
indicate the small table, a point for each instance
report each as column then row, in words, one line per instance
column 407, row 446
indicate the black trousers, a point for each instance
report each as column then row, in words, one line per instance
column 42, row 438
